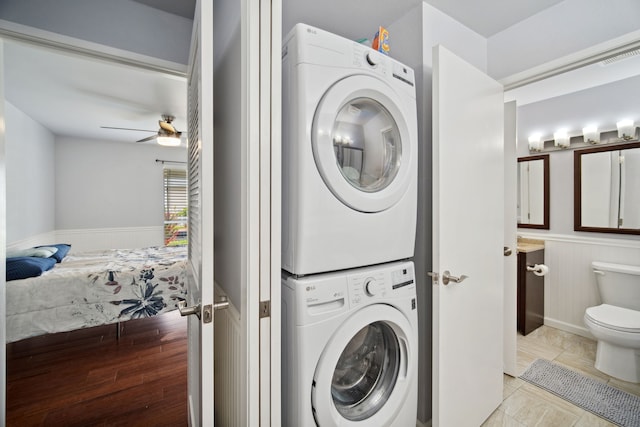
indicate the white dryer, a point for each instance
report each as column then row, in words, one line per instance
column 350, row 348
column 349, row 155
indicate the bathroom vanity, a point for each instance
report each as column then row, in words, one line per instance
column 530, row 312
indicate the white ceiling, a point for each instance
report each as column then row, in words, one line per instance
column 75, row 96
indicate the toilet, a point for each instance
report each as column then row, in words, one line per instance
column 616, row 322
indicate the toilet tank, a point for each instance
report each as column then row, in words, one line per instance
column 618, row 284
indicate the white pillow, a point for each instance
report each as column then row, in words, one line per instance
column 41, row 252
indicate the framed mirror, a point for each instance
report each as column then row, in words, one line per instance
column 533, row 192
column 606, row 196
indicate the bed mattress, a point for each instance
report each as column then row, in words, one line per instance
column 97, row 288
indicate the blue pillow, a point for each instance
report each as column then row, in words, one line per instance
column 63, row 249
column 28, row 266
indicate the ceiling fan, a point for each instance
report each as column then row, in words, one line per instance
column 167, row 134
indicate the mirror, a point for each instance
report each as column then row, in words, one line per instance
column 533, row 192
column 606, row 196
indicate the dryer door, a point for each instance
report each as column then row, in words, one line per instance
column 363, row 375
column 361, row 143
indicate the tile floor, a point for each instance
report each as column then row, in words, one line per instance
column 527, row 405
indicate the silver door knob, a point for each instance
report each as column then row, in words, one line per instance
column 221, row 304
column 206, row 312
column 507, row 251
column 188, row 311
column 447, row 277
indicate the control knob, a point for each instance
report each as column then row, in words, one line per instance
column 371, row 287
column 373, row 58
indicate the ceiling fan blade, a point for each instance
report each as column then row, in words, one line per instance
column 167, row 126
column 140, row 130
column 149, row 138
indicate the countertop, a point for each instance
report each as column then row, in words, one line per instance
column 529, row 245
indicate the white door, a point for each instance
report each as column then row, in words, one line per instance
column 249, row 83
column 510, row 239
column 3, row 243
column 200, row 266
column 468, row 229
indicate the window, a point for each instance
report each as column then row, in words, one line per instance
column 175, row 207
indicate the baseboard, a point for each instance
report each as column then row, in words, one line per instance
column 563, row 326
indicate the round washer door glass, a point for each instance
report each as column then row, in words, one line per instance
column 363, row 374
column 362, row 144
column 366, row 372
column 367, row 144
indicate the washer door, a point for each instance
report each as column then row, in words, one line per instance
column 361, row 143
column 361, row 377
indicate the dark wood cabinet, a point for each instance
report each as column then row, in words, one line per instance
column 530, row 292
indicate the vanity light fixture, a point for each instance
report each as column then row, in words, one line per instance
column 626, row 129
column 591, row 134
column 535, row 142
column 561, row 139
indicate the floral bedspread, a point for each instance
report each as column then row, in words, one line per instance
column 97, row 288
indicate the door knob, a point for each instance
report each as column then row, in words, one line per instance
column 447, row 277
column 221, row 304
column 188, row 311
column 207, row 311
column 507, row 251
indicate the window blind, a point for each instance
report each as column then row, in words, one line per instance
column 175, row 206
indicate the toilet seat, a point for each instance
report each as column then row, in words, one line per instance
column 615, row 318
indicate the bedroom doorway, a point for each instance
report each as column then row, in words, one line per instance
column 137, row 169
column 257, row 331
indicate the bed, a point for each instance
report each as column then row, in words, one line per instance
column 95, row 288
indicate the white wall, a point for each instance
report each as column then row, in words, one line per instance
column 351, row 19
column 603, row 105
column 103, row 184
column 122, row 24
column 30, row 175
column 568, row 27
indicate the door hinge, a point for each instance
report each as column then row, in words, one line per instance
column 265, row 309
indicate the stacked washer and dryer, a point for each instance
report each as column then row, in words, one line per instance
column 349, row 174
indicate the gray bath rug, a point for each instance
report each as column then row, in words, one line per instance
column 608, row 402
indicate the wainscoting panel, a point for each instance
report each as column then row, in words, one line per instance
column 570, row 286
column 229, row 374
column 37, row 240
column 91, row 239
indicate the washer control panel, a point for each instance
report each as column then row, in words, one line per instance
column 322, row 296
column 395, row 281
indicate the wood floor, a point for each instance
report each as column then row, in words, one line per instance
column 88, row 378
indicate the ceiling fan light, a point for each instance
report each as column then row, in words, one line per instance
column 168, row 141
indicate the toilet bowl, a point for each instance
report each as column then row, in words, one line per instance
column 616, row 322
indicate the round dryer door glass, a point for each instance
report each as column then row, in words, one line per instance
column 366, row 372
column 367, row 144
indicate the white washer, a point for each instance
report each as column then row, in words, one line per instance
column 349, row 155
column 350, row 348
